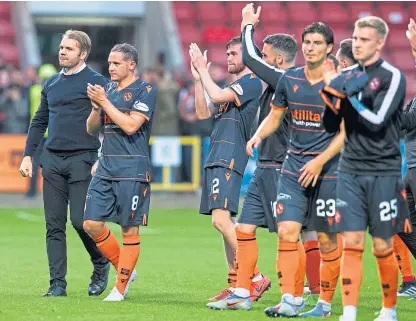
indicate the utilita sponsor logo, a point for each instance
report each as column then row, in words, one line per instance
column 306, row 118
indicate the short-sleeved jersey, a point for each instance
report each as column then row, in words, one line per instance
column 126, row 157
column 307, row 135
column 233, row 123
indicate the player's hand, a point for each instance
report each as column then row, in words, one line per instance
column 254, row 142
column 249, row 16
column 95, row 106
column 96, row 93
column 199, row 60
column 26, row 167
column 94, row 168
column 330, row 72
column 195, row 73
column 411, row 35
column 310, row 173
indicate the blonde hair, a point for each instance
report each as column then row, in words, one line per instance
column 374, row 22
column 82, row 38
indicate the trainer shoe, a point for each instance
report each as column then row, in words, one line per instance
column 286, row 308
column 407, row 289
column 232, row 302
column 221, row 296
column 317, row 312
column 387, row 315
column 133, row 278
column 114, row 296
column 306, row 289
column 259, row 287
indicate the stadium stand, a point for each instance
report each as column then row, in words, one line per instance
column 218, row 21
column 8, row 48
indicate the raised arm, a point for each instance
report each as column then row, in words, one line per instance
column 252, row 59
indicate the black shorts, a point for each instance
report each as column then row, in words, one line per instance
column 313, row 207
column 376, row 202
column 260, row 200
column 123, row 202
column 220, row 190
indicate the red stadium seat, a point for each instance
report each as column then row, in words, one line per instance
column 184, row 11
column 217, row 35
column 218, row 54
column 273, row 12
column 302, row 12
column 393, row 13
column 360, row 9
column 403, row 59
column 397, row 38
column 333, row 13
column 341, row 34
column 233, row 9
column 10, row 53
column 5, row 9
column 211, row 11
column 189, row 32
column 6, row 31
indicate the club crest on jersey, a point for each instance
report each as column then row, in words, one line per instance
column 127, row 96
column 374, row 83
column 223, row 108
column 295, row 88
column 149, row 89
column 140, row 106
column 237, row 88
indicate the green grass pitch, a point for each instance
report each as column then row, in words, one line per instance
column 181, row 265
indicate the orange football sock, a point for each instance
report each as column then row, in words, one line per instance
column 287, row 266
column 300, row 276
column 247, row 252
column 351, row 274
column 388, row 272
column 403, row 258
column 340, row 242
column 108, row 245
column 129, row 254
column 330, row 270
column 313, row 258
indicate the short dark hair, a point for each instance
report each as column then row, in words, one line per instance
column 234, row 41
column 345, row 47
column 334, row 59
column 284, row 43
column 128, row 50
column 321, row 28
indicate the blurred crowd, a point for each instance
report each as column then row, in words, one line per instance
column 15, row 87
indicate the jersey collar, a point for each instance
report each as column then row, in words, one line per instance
column 63, row 71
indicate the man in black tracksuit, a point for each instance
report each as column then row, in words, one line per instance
column 68, row 158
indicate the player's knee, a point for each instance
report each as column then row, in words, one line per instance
column 327, row 242
column 128, row 231
column 288, row 232
column 382, row 245
column 354, row 238
column 221, row 220
column 246, row 228
column 92, row 227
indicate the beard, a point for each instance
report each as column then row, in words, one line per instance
column 236, row 69
column 68, row 64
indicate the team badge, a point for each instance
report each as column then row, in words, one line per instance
column 374, row 83
column 127, row 96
